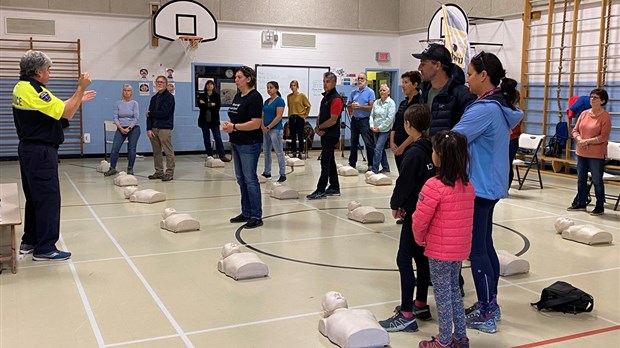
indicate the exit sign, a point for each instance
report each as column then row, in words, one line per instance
column 382, row 56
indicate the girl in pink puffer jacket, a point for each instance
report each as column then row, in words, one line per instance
column 442, row 223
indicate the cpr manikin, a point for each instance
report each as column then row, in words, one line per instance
column 238, row 265
column 377, row 179
column 350, row 328
column 364, row 214
column 214, row 162
column 294, row 161
column 176, row 222
column 281, row 190
column 346, row 170
column 143, row 196
column 586, row 234
column 124, row 179
column 103, row 166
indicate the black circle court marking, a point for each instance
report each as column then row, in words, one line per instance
column 526, row 246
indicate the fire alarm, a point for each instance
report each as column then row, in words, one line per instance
column 382, row 57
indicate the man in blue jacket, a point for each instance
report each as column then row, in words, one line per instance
column 159, row 124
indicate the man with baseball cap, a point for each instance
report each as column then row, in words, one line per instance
column 443, row 87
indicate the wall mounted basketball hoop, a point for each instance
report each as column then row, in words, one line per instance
column 185, row 19
column 190, row 45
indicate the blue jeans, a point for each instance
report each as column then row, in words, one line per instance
column 274, row 138
column 245, row 158
column 484, row 260
column 380, row 157
column 595, row 166
column 217, row 136
column 132, row 145
column 360, row 126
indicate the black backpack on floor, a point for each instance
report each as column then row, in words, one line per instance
column 565, row 298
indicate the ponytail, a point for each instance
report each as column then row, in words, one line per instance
column 509, row 90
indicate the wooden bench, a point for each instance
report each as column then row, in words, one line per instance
column 10, row 217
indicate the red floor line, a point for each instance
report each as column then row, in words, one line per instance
column 569, row 337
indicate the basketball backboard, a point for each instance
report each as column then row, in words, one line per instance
column 184, row 18
column 436, row 25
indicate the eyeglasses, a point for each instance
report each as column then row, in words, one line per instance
column 480, row 57
column 595, row 97
column 160, row 82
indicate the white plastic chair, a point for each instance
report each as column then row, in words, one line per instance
column 529, row 144
column 613, row 153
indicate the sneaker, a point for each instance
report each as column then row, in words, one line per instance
column 282, row 178
column 423, row 313
column 316, row 195
column 239, row 218
column 462, row 342
column 156, row 176
column 597, row 211
column 225, row 159
column 477, row 307
column 267, row 176
column 167, row 177
column 129, row 171
column 332, row 192
column 400, row 221
column 253, row 223
column 52, row 256
column 577, row 207
column 25, row 249
column 384, row 171
column 434, row 343
column 110, row 172
column 481, row 321
column 398, row 322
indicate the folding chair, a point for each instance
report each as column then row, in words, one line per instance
column 109, row 128
column 529, row 145
column 613, row 153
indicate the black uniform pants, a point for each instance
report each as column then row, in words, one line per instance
column 38, row 163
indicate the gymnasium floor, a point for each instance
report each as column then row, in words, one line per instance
column 130, row 284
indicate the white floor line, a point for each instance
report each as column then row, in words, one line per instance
column 132, row 265
column 144, row 340
column 87, row 308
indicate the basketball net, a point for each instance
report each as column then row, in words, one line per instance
column 425, row 42
column 190, row 45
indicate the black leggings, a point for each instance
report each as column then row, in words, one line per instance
column 407, row 250
column 296, row 128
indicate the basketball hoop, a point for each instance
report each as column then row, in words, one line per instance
column 190, row 45
column 425, row 43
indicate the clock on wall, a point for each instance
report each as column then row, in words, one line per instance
column 229, row 73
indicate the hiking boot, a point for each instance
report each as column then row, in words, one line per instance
column 282, row 178
column 577, row 207
column 253, row 223
column 156, row 176
column 481, row 321
column 332, row 192
column 110, row 172
column 52, row 256
column 398, row 322
column 434, row 343
column 597, row 211
column 316, row 195
column 239, row 218
column 225, row 159
column 167, row 177
column 462, row 342
column 25, row 249
column 477, row 308
column 423, row 313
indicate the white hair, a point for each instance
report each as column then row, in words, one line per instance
column 32, row 62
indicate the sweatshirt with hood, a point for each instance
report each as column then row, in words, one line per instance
column 486, row 123
column 417, row 167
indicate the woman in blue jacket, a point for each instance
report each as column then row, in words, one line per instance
column 486, row 123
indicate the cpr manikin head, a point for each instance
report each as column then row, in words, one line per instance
column 229, row 249
column 331, row 301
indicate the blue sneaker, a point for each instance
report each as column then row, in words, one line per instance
column 316, row 195
column 477, row 307
column 52, row 256
column 332, row 192
column 25, row 249
column 485, row 323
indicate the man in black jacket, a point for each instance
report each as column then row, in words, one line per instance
column 159, row 124
column 443, row 87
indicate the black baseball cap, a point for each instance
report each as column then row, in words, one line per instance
column 435, row 52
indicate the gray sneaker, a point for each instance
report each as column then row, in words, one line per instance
column 25, row 249
column 398, row 322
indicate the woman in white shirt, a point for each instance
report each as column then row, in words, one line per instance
column 381, row 121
